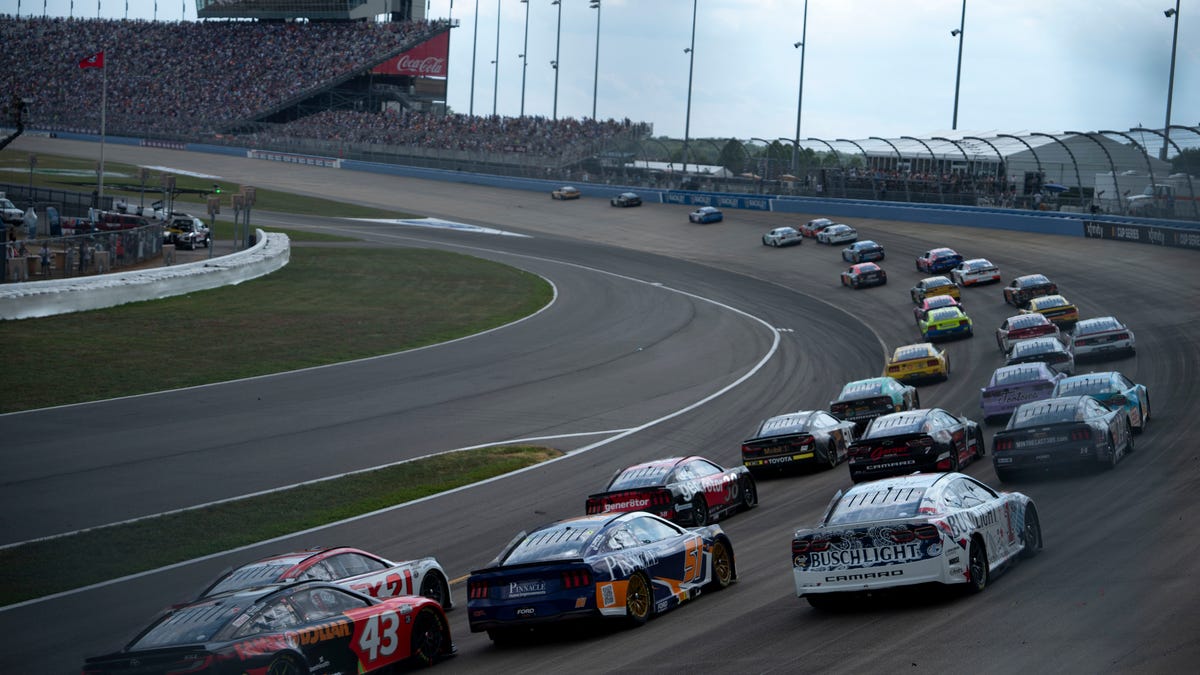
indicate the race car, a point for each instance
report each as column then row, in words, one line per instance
column 1021, row 290
column 862, row 251
column 1010, row 386
column 1114, row 390
column 350, row 567
column 1023, row 327
column 1048, row 350
column 565, row 192
column 1101, row 337
column 938, row 260
column 931, row 286
column 926, row 439
column 294, row 628
column 945, row 323
column 1061, row 431
column 1054, row 307
column 917, row 363
column 946, row 528
column 706, row 214
column 783, row 236
column 863, row 275
column 974, row 272
column 812, row 227
column 863, row 400
column 935, row 302
column 626, row 199
column 799, row 439
column 838, row 233
column 687, row 490
column 625, row 566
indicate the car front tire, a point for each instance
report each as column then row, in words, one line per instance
column 428, row 638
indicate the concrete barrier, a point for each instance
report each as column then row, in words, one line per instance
column 61, row 296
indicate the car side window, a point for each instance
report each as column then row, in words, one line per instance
column 277, row 615
column 649, row 530
column 703, row 468
column 683, row 473
column 353, row 564
column 315, row 604
column 621, row 538
column 321, row 571
column 1125, row 382
column 972, row 496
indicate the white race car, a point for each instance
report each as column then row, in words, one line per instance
column 928, row 527
column 783, row 236
column 838, row 233
column 974, row 272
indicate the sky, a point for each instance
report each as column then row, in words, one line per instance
column 871, row 67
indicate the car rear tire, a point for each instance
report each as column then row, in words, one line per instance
column 1005, row 475
column 977, row 567
column 722, row 566
column 435, row 588
column 749, row 494
column 286, row 664
column 501, row 637
column 1031, row 535
column 699, row 511
column 1113, row 455
column 980, row 444
column 831, row 454
column 825, row 602
column 639, row 600
column 428, row 638
column 1129, row 435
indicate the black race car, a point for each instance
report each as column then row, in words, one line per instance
column 1068, row 430
column 928, row 439
column 687, row 490
column 285, row 630
column 626, row 199
column 1021, row 290
column 802, row 438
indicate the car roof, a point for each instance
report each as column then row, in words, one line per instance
column 865, row 267
column 1098, row 324
column 944, row 313
column 928, row 348
column 666, row 463
column 1029, row 279
column 942, row 250
column 787, row 423
column 1025, row 320
column 1032, row 344
column 912, row 480
column 977, row 261
column 1049, row 301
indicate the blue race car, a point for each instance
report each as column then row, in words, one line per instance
column 706, row 214
column 626, row 566
column 1112, row 389
column 862, row 251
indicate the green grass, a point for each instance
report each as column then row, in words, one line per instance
column 51, row 566
column 327, row 305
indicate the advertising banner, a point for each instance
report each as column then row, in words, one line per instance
column 1175, row 237
column 427, row 59
column 718, row 200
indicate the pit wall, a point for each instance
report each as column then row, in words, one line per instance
column 270, row 252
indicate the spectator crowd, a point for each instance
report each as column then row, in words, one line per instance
column 182, row 78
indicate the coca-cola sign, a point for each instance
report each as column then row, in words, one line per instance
column 427, row 59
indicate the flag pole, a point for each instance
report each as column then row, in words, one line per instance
column 103, row 111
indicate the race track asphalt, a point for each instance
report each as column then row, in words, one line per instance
column 1110, row 593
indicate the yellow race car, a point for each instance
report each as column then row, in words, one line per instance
column 918, row 362
column 1056, row 308
column 931, row 286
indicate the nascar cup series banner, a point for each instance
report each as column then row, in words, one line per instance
column 427, row 59
column 1145, row 234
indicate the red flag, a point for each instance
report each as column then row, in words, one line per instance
column 94, row 61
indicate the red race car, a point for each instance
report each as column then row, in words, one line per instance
column 814, row 227
column 864, row 274
column 687, row 490
column 287, row 629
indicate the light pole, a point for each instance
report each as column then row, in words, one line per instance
column 554, row 63
column 595, row 4
column 958, row 33
column 524, row 57
column 687, row 122
column 496, row 61
column 1162, row 154
column 474, row 47
column 800, row 99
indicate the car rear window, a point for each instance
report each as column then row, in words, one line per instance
column 1036, row 346
column 1052, row 301
column 257, row 574
column 189, row 625
column 1085, row 385
column 1097, row 325
column 557, row 542
column 1034, row 280
column 1016, row 375
column 944, row 314
column 861, row 506
column 1051, row 411
column 1026, row 321
column 861, row 389
column 641, row 476
column 784, row 424
column 896, row 424
column 909, row 353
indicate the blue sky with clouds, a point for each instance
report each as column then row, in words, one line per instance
column 872, row 67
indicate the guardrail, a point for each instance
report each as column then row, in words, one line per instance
column 270, row 252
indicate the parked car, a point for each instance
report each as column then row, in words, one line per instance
column 626, row 199
column 9, row 213
column 863, row 251
column 838, row 233
column 783, row 236
column 691, row 491
column 187, row 232
column 565, row 192
column 706, row 214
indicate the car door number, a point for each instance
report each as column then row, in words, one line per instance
column 379, row 637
